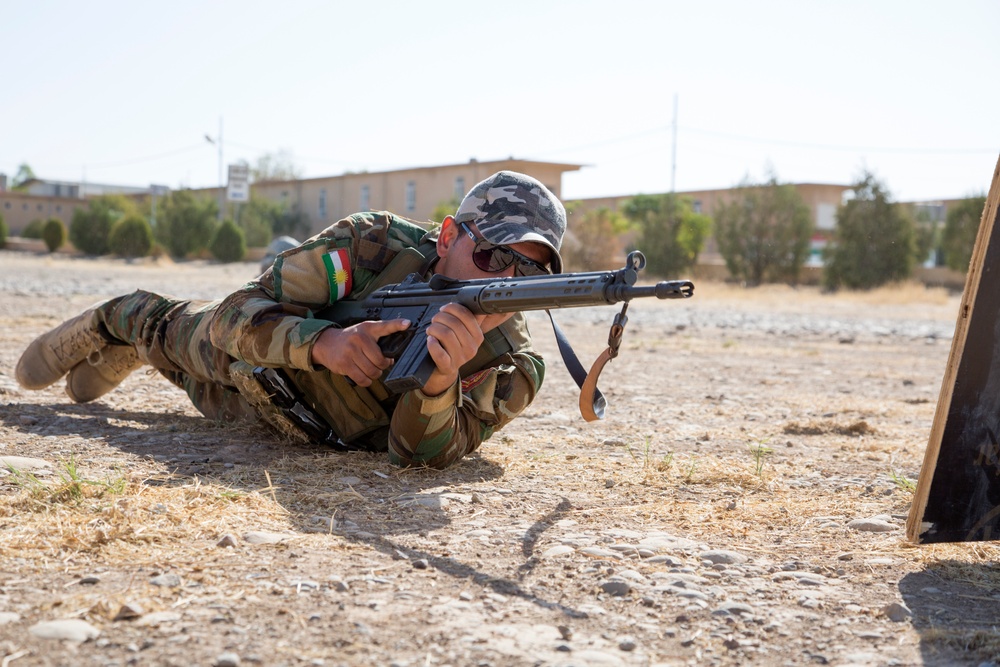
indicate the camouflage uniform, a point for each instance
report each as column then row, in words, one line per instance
column 270, row 322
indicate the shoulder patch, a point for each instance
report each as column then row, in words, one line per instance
column 476, row 379
column 338, row 273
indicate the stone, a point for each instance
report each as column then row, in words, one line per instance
column 616, row 588
column 723, row 557
column 69, row 629
column 872, row 525
column 227, row 659
column 261, row 537
column 168, row 580
column 226, row 541
column 896, row 612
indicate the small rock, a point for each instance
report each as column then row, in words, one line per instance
column 23, row 463
column 168, row 580
column 226, row 541
column 565, row 632
column 70, row 629
column 560, row 550
column 227, row 660
column 260, row 537
column 897, row 612
column 157, row 617
column 724, row 557
column 872, row 525
column 846, row 556
column 627, row 644
column 8, row 617
column 420, row 564
column 616, row 588
column 608, row 483
column 128, row 611
column 89, row 581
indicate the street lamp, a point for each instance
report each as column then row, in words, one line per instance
column 218, row 142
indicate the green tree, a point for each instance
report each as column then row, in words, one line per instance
column 131, row 237
column 961, row 225
column 3, row 233
column 228, row 244
column 257, row 219
column 671, row 234
column 591, row 242
column 874, row 242
column 186, row 223
column 24, row 174
column 33, row 230
column 763, row 232
column 91, row 227
column 54, row 234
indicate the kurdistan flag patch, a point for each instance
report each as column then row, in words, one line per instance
column 338, row 273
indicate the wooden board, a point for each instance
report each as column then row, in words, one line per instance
column 957, row 498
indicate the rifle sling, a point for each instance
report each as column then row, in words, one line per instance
column 592, row 401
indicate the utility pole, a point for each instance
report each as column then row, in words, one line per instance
column 222, row 187
column 673, row 150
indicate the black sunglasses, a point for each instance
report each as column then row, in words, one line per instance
column 495, row 258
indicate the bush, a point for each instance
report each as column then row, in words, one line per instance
column 763, row 233
column 186, row 224
column 3, row 233
column 960, row 229
column 874, row 242
column 228, row 244
column 90, row 229
column 34, row 230
column 591, row 244
column 131, row 237
column 671, row 234
column 54, row 234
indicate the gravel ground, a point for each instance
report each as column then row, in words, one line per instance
column 743, row 503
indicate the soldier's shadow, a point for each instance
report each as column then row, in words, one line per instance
column 321, row 489
column 359, row 496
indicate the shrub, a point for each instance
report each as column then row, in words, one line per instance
column 186, row 223
column 228, row 244
column 3, row 233
column 54, row 234
column 90, row 229
column 591, row 244
column 131, row 237
column 763, row 233
column 874, row 242
column 960, row 229
column 671, row 234
column 33, row 230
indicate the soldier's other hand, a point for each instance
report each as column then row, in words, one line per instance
column 354, row 351
column 453, row 338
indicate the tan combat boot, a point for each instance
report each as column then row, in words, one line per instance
column 101, row 372
column 53, row 354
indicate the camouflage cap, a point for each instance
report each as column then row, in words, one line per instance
column 509, row 208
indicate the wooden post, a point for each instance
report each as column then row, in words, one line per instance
column 957, row 498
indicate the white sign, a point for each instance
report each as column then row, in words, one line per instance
column 239, row 183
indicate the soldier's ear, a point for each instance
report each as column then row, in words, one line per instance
column 447, row 235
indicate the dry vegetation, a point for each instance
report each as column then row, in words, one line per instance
column 561, row 543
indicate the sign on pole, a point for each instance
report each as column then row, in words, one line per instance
column 239, row 183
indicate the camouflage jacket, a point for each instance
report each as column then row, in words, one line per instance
column 271, row 322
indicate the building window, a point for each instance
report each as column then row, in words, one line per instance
column 365, row 198
column 459, row 187
column 322, row 204
column 39, row 207
column 411, row 197
column 696, row 206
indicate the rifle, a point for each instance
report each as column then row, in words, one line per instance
column 419, row 301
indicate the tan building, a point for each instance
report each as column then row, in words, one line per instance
column 412, row 193
column 20, row 208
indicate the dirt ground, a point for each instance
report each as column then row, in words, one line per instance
column 742, row 503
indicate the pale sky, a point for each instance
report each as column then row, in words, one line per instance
column 125, row 92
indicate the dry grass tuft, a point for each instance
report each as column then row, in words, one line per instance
column 827, row 427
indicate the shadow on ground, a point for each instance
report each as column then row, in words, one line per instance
column 956, row 610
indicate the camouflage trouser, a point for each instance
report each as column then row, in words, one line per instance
column 173, row 337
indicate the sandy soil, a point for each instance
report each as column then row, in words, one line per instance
column 743, row 503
